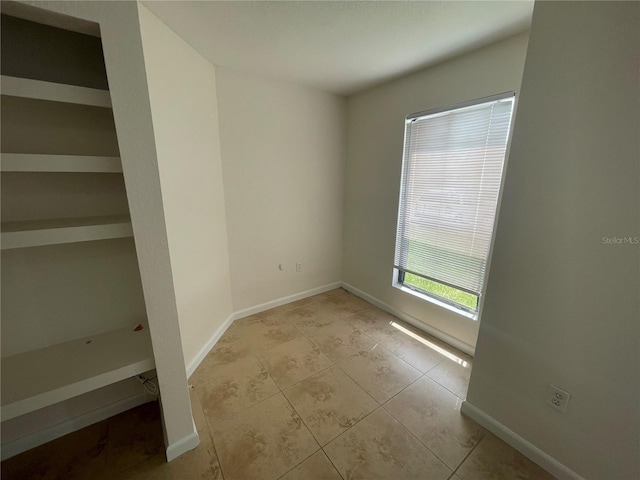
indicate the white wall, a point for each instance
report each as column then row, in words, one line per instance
column 374, row 162
column 283, row 162
column 562, row 307
column 182, row 90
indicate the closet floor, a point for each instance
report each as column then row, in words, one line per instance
column 329, row 387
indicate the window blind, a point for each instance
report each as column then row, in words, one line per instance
column 451, row 176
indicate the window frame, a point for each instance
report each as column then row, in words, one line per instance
column 398, row 273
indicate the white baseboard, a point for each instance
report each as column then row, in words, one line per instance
column 445, row 337
column 525, row 447
column 284, row 300
column 183, row 445
column 204, row 351
column 250, row 311
column 73, row 424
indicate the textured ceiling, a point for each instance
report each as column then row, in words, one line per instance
column 339, row 46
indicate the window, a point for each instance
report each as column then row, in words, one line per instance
column 451, row 177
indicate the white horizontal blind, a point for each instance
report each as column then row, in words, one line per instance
column 452, row 170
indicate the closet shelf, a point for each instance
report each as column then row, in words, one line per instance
column 40, row 378
column 67, row 230
column 24, row 162
column 55, row 92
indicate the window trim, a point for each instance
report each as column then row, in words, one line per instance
column 398, row 274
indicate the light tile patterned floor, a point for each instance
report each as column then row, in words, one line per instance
column 326, row 388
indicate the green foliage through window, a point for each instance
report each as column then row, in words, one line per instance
column 439, row 290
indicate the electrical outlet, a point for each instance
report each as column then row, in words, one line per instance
column 298, row 267
column 557, row 398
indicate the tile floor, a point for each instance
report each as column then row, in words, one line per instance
column 329, row 387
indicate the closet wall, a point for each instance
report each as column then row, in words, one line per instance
column 160, row 238
column 53, row 294
column 71, row 288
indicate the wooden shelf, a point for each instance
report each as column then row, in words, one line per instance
column 24, row 162
column 55, row 92
column 40, row 378
column 67, row 230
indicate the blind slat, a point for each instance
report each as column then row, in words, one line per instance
column 452, row 170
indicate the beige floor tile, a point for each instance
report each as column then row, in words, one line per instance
column 258, row 432
column 264, row 332
column 339, row 340
column 381, row 448
column 493, row 459
column 262, row 442
column 410, row 347
column 432, row 414
column 453, row 376
column 329, row 402
column 198, row 464
column 311, row 319
column 380, row 373
column 134, row 436
column 78, row 455
column 341, row 304
column 316, row 467
column 231, row 388
column 228, row 349
column 293, row 361
column 300, row 303
column 335, row 291
column 372, row 321
column 198, row 412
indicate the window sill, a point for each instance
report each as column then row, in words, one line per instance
column 427, row 298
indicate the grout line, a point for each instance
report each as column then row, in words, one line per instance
column 329, row 458
column 419, row 441
column 215, row 450
column 344, row 318
column 308, row 430
column 402, row 390
column 446, row 388
column 308, row 377
column 468, row 454
column 356, row 382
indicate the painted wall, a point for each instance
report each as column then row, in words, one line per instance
column 562, row 305
column 374, row 162
column 283, row 163
column 182, row 91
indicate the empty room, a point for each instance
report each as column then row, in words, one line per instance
column 261, row 240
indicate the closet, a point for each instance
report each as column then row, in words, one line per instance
column 73, row 313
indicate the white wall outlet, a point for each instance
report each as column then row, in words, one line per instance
column 298, row 267
column 557, row 398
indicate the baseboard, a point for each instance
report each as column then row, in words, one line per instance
column 73, row 424
column 525, row 447
column 204, row 351
column 284, row 300
column 445, row 337
column 183, row 445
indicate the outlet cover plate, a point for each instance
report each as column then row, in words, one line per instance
column 557, row 398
